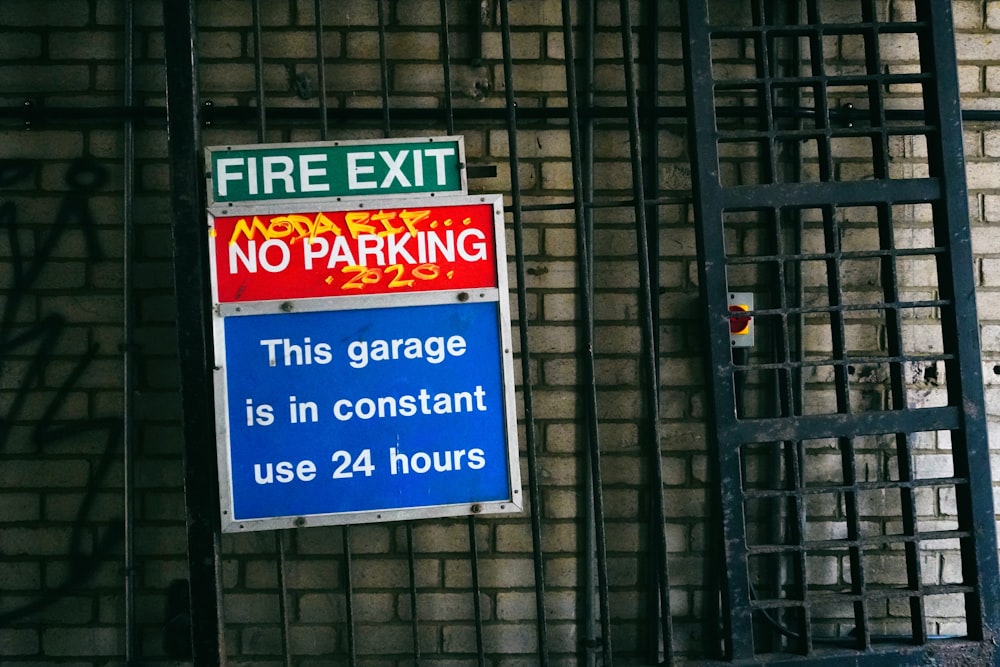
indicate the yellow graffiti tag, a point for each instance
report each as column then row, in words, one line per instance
column 298, row 226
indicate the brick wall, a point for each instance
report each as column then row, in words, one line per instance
column 62, row 476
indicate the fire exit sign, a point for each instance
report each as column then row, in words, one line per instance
column 430, row 166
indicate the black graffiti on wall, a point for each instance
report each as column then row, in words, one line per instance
column 31, row 340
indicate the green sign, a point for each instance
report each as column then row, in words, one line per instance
column 264, row 172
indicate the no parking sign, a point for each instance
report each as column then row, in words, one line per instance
column 364, row 368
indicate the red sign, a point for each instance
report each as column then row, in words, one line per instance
column 351, row 252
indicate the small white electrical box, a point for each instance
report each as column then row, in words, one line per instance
column 741, row 327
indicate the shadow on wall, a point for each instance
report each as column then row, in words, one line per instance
column 177, row 627
column 36, row 390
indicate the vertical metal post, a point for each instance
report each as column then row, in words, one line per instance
column 646, row 229
column 736, row 623
column 477, row 608
column 591, row 638
column 193, row 334
column 321, row 70
column 286, row 643
column 584, row 245
column 279, row 541
column 129, row 347
column 471, row 520
column 259, row 72
column 383, row 68
column 412, row 572
column 480, row 15
column 352, row 649
column 446, row 65
column 534, row 491
column 960, row 330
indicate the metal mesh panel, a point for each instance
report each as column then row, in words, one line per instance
column 843, row 440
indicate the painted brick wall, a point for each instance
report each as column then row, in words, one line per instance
column 62, row 476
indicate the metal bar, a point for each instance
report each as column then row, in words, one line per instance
column 911, row 546
column 876, row 105
column 786, row 514
column 790, row 383
column 797, row 455
column 789, row 513
column 194, row 337
column 352, row 648
column 879, row 253
column 258, row 72
column 835, row 296
column 286, row 644
column 876, row 485
column 651, row 143
column 735, row 617
column 383, row 69
column 591, row 638
column 279, row 542
column 449, row 103
column 386, row 129
column 34, row 115
column 704, row 169
column 970, row 448
column 657, row 519
column 648, row 296
column 473, row 542
column 445, row 36
column 900, row 594
column 862, row 626
column 589, row 206
column 477, row 607
column 764, row 72
column 897, row 388
column 939, row 652
column 324, row 112
column 531, row 446
column 589, row 380
column 129, row 367
column 236, row 114
column 898, row 191
column 480, row 15
column 834, row 426
column 412, row 571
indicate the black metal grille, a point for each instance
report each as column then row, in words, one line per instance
column 846, row 213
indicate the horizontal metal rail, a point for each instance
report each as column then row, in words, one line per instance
column 31, row 114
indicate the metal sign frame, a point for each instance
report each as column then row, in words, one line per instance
column 378, row 305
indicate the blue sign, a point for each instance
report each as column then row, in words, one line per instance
column 364, row 412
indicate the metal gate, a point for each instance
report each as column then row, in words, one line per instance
column 843, row 197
